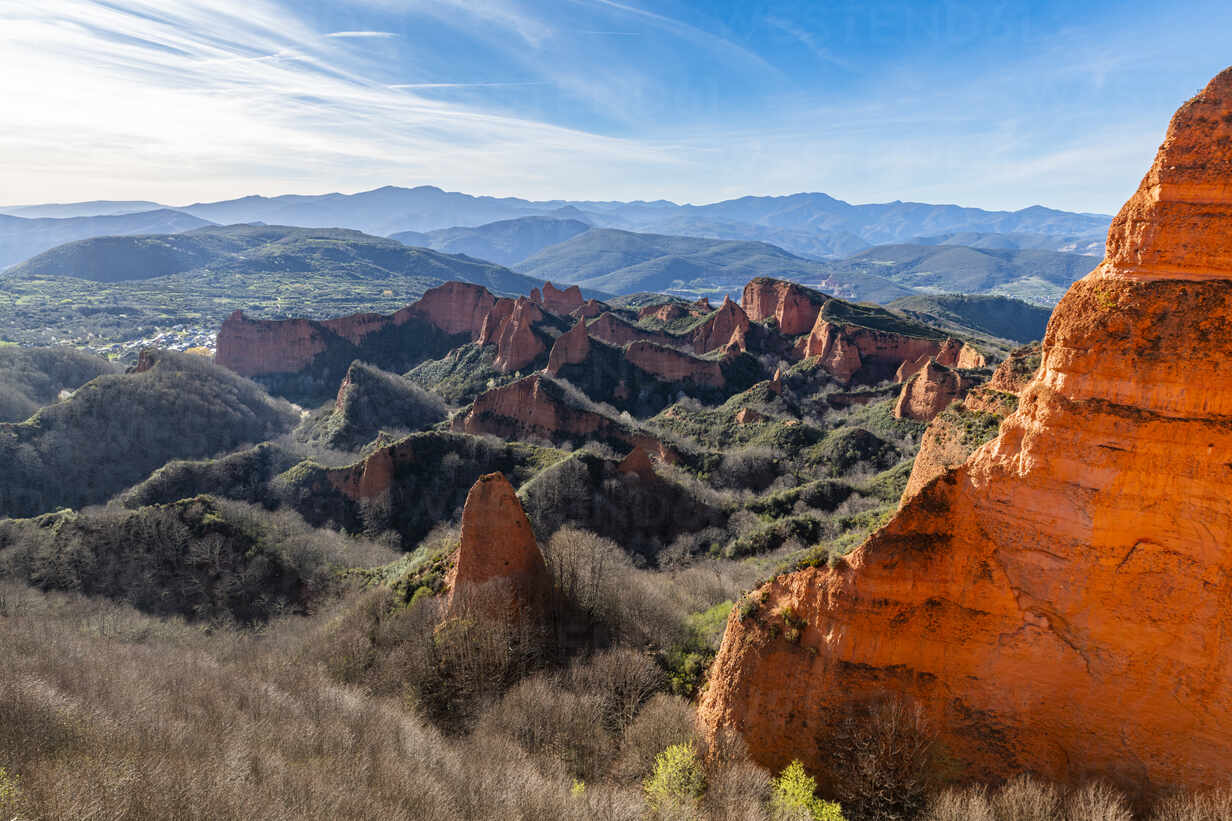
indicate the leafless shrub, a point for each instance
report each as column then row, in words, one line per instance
column 883, row 754
column 622, row 679
column 739, row 791
column 1026, row 799
column 551, row 722
column 971, row 804
column 1211, row 806
column 664, row 721
column 1097, row 802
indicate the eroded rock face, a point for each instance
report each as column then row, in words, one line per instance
column 456, row 307
column 498, row 555
column 557, row 301
column 665, row 312
column 261, row 347
column 589, row 309
column 638, row 464
column 535, row 407
column 789, row 304
column 1059, row 603
column 854, row 353
column 671, row 365
column 570, row 348
column 613, row 330
column 952, row 436
column 510, row 326
column 726, row 327
column 930, row 391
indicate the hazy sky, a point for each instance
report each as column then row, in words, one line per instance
column 999, row 105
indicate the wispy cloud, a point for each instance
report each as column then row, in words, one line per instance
column 464, row 85
column 230, row 96
column 361, row 34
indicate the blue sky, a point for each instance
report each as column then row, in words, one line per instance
column 998, row 105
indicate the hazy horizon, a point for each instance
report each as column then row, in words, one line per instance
column 181, row 205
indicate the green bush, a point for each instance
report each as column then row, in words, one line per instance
column 793, row 797
column 678, row 781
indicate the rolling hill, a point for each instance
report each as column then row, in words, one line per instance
column 1035, row 276
column 1090, row 246
column 622, row 262
column 22, row 238
column 247, row 250
column 504, row 242
column 999, row 317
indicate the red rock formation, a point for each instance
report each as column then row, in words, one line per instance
column 613, row 330
column 510, row 326
column 726, row 326
column 748, row 416
column 570, row 348
column 638, row 464
column 455, row 307
column 1059, row 603
column 951, row 438
column 145, row 361
column 789, row 304
column 497, row 547
column 558, row 301
column 664, row 312
column 255, row 347
column 955, row 353
column 537, row 407
column 701, row 306
column 590, row 309
column 371, row 477
column 671, row 365
column 1012, row 375
column 930, row 391
column 852, row 352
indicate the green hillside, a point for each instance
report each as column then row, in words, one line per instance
column 621, row 262
column 119, row 428
column 33, row 377
column 115, row 289
column 997, row 316
column 1037, row 276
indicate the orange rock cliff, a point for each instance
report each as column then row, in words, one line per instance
column 497, row 547
column 1059, row 603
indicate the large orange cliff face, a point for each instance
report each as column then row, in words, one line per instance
column 1059, row 603
column 788, row 303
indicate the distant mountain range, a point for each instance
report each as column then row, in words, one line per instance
column 810, row 224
